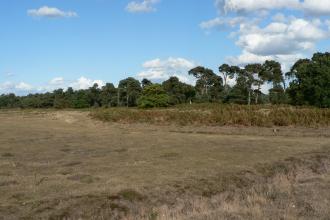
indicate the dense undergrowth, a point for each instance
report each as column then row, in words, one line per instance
column 219, row 115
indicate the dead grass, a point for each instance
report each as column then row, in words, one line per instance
column 84, row 169
column 219, row 115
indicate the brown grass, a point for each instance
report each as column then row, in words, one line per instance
column 219, row 115
column 64, row 165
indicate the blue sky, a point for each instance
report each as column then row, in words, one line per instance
column 45, row 44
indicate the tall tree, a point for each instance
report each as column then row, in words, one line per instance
column 228, row 72
column 274, row 75
column 109, row 95
column 310, row 83
column 94, row 95
column 129, row 91
column 257, row 77
column 145, row 82
column 59, row 99
column 208, row 85
column 179, row 92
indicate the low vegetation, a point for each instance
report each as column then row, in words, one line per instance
column 63, row 165
column 219, row 115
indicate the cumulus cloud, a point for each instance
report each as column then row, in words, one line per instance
column 142, row 6
column 263, row 32
column 50, row 12
column 85, row 83
column 23, row 88
column 246, row 6
column 17, row 88
column 311, row 7
column 160, row 70
column 281, row 41
column 279, row 38
column 316, row 7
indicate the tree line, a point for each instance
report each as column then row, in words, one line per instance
column 309, row 84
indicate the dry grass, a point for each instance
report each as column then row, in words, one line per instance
column 220, row 115
column 63, row 165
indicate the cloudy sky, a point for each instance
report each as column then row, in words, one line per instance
column 47, row 44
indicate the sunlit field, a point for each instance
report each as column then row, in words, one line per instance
column 67, row 165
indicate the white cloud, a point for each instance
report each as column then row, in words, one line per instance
column 316, row 7
column 247, row 58
column 245, row 6
column 50, row 12
column 85, row 83
column 282, row 41
column 281, row 38
column 57, row 81
column 160, row 70
column 310, row 7
column 17, row 88
column 222, row 22
column 23, row 88
column 263, row 32
column 142, row 6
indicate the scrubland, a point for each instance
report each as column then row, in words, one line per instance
column 220, row 115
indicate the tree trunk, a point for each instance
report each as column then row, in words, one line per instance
column 118, row 98
column 249, row 99
column 257, row 96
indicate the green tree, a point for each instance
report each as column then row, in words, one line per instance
column 60, row 100
column 179, row 92
column 228, row 72
column 129, row 92
column 153, row 96
column 208, row 85
column 81, row 99
column 109, row 95
column 273, row 74
column 145, row 82
column 256, row 76
column 9, row 101
column 242, row 91
column 310, row 83
column 94, row 95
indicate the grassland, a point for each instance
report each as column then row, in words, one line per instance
column 66, row 165
column 220, row 115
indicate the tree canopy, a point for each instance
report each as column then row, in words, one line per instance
column 308, row 80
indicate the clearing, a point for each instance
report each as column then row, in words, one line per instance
column 65, row 165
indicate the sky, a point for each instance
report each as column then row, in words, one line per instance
column 50, row 44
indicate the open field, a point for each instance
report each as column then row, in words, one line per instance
column 65, row 165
